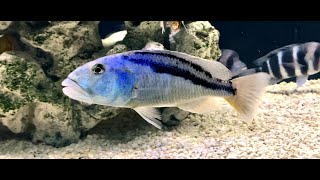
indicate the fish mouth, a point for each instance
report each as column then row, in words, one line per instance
column 74, row 91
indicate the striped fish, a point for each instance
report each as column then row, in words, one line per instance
column 296, row 60
column 231, row 60
column 145, row 80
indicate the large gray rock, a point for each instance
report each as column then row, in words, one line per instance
column 31, row 100
column 201, row 39
column 138, row 35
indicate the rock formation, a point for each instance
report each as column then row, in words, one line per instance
column 36, row 56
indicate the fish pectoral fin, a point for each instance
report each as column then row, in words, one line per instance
column 135, row 91
column 204, row 105
column 151, row 115
column 301, row 80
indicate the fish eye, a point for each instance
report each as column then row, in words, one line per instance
column 98, row 69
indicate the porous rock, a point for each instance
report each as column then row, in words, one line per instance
column 31, row 100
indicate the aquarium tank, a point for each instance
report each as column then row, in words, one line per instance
column 159, row 89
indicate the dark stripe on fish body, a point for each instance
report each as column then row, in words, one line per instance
column 316, row 58
column 287, row 57
column 194, row 66
column 174, row 70
column 275, row 68
column 301, row 60
column 230, row 61
column 265, row 68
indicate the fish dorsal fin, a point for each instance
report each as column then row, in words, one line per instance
column 215, row 68
column 151, row 115
column 263, row 59
column 203, row 105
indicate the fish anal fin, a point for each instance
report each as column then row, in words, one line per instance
column 301, row 80
column 151, row 115
column 204, row 105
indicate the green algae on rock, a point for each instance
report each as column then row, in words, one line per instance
column 32, row 101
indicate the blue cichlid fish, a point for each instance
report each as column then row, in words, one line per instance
column 295, row 60
column 231, row 60
column 150, row 78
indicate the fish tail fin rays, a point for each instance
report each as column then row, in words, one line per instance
column 249, row 90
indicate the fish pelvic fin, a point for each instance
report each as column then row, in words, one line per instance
column 151, row 115
column 301, row 80
column 249, row 90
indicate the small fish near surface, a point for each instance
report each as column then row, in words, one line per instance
column 295, row 60
column 147, row 79
column 231, row 60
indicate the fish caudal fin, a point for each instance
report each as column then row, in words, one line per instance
column 248, row 91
